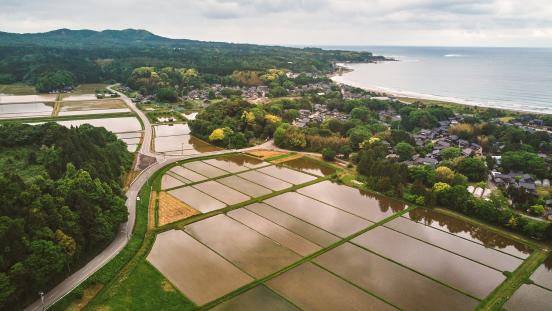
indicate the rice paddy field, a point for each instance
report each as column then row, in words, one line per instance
column 238, row 233
column 175, row 139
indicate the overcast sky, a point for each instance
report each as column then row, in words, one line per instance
column 300, row 22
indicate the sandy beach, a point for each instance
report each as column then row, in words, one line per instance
column 343, row 79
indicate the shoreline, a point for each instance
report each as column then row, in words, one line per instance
column 339, row 78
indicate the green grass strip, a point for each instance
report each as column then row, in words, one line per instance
column 506, row 289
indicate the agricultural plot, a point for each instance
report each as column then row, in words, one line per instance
column 360, row 203
column 221, row 192
column 227, row 164
column 244, row 186
column 250, row 251
column 85, row 106
column 171, row 130
column 530, row 297
column 115, row 125
column 543, row 275
column 197, row 199
column 306, row 230
column 454, row 270
column 319, row 214
column 182, row 145
column 471, row 232
column 383, row 277
column 293, row 241
column 172, row 209
column 187, row 174
column 203, row 276
column 414, row 261
column 21, row 99
column 258, row 298
column 25, row 110
column 205, row 169
column 313, row 288
column 303, row 164
column 476, row 252
column 265, row 180
column 286, row 174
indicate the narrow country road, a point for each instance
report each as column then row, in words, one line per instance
column 123, row 236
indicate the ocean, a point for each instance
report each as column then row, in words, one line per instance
column 509, row 78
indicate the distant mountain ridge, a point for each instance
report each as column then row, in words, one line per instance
column 67, row 37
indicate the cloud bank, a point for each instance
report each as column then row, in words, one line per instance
column 300, row 22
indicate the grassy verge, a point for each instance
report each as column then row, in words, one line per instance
column 521, row 275
column 17, row 89
column 143, row 289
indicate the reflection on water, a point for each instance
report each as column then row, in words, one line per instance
column 387, row 279
column 362, row 203
column 258, row 298
column 469, row 231
column 303, row 164
column 181, row 144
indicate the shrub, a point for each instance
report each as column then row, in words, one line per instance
column 328, row 154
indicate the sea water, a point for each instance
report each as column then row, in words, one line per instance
column 509, row 78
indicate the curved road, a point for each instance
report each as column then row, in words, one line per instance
column 125, row 231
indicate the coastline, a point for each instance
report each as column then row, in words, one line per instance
column 338, row 77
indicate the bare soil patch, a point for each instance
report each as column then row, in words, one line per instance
column 171, row 209
column 263, row 153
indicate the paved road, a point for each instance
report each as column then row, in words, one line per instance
column 125, row 231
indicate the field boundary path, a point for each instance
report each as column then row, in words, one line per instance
column 57, row 106
column 125, row 231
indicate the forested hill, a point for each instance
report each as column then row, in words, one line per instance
column 110, row 55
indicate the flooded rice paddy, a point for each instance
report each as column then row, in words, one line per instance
column 361, row 203
column 293, row 224
column 171, row 130
column 419, row 261
column 265, row 180
column 197, row 199
column 182, row 145
column 275, row 232
column 205, row 169
column 228, row 165
column 247, row 249
column 286, row 174
column 244, row 186
column 187, row 174
column 115, row 125
column 543, row 275
column 303, row 164
column 458, row 272
column 203, row 275
column 458, row 245
column 530, row 298
column 222, row 192
column 383, row 278
column 168, row 181
column 312, row 288
column 18, row 99
column 25, row 110
column 258, row 298
column 319, row 214
column 469, row 231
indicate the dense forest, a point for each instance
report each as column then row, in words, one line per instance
column 62, row 201
column 90, row 56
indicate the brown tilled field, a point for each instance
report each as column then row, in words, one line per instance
column 171, row 209
column 263, row 154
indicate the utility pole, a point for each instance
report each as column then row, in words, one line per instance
column 41, row 293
